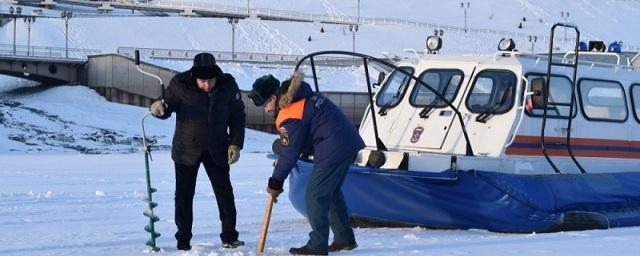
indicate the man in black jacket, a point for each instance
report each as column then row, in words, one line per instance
column 207, row 103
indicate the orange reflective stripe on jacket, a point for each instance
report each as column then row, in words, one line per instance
column 293, row 111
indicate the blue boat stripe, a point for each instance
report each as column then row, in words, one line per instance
column 577, row 147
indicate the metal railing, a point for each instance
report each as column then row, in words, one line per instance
column 182, row 54
column 45, row 51
column 241, row 12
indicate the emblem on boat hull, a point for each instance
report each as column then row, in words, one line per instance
column 417, row 132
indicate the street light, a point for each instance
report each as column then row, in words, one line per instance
column 565, row 15
column 533, row 40
column 17, row 10
column 66, row 15
column 358, row 12
column 234, row 23
column 465, row 7
column 354, row 29
column 29, row 20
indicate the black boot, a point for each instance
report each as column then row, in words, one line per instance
column 304, row 250
column 233, row 244
column 184, row 245
column 338, row 246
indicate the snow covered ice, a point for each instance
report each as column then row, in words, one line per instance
column 72, row 174
column 50, row 205
column 60, row 202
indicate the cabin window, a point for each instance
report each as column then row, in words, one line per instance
column 603, row 100
column 394, row 88
column 444, row 81
column 493, row 92
column 635, row 99
column 559, row 92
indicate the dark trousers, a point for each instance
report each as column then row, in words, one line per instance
column 218, row 172
column 326, row 207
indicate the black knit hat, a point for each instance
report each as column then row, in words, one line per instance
column 263, row 88
column 204, row 66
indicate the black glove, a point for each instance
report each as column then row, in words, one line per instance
column 274, row 188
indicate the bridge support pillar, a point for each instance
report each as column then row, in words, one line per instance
column 104, row 8
column 49, row 4
column 187, row 12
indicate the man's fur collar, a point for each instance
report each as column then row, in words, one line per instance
column 287, row 97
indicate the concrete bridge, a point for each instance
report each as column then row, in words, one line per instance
column 44, row 64
column 192, row 9
column 46, row 71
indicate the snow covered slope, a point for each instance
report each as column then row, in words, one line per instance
column 76, row 119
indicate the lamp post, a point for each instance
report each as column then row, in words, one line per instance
column 565, row 16
column 354, row 29
column 66, row 15
column 533, row 40
column 17, row 11
column 465, row 7
column 29, row 20
column 358, row 12
column 234, row 23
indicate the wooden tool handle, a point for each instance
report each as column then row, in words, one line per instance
column 265, row 224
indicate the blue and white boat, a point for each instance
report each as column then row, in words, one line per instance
column 511, row 142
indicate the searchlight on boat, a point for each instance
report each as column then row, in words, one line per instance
column 506, row 44
column 434, row 43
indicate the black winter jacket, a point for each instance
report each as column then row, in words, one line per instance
column 202, row 119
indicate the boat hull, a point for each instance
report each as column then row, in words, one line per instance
column 485, row 200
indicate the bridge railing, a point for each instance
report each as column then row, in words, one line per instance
column 46, row 51
column 179, row 6
column 182, row 54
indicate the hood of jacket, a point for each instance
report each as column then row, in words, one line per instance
column 294, row 90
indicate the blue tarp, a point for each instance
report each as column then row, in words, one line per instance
column 485, row 200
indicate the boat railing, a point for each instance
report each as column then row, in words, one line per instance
column 574, row 66
column 521, row 108
column 588, row 63
column 636, row 58
column 365, row 60
column 595, row 56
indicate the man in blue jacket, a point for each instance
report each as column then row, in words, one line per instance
column 309, row 121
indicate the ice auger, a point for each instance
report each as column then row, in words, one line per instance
column 147, row 156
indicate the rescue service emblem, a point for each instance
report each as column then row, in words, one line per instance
column 284, row 136
column 417, row 132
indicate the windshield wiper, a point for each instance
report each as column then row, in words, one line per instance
column 426, row 111
column 383, row 110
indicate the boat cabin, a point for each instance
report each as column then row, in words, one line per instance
column 490, row 113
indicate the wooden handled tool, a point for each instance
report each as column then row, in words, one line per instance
column 265, row 224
